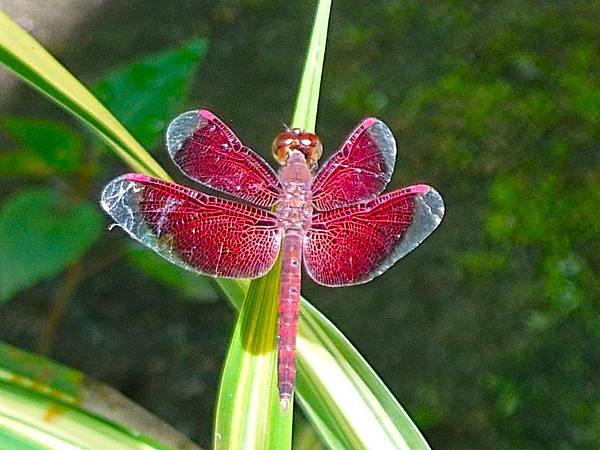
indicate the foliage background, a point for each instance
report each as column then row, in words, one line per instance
column 488, row 334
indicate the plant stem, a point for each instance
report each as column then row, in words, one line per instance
column 74, row 276
column 63, row 295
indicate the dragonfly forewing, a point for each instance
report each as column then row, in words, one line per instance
column 359, row 170
column 208, row 152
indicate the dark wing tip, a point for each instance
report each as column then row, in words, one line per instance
column 182, row 128
column 428, row 213
column 116, row 193
column 384, row 139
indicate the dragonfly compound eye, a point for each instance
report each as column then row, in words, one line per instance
column 283, row 144
column 297, row 140
column 313, row 147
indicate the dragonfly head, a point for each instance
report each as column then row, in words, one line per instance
column 296, row 140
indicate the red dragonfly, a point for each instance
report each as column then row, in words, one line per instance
column 333, row 219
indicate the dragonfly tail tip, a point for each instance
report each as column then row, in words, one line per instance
column 285, row 404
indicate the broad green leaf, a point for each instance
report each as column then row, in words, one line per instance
column 191, row 285
column 146, row 94
column 248, row 410
column 45, row 405
column 52, row 144
column 21, row 53
column 18, row 163
column 41, row 233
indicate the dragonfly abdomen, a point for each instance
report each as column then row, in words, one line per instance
column 294, row 212
column 289, row 301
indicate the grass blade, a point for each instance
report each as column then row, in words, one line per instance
column 249, row 382
column 307, row 102
column 248, row 414
column 341, row 394
column 32, row 419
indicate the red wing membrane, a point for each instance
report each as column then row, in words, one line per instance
column 359, row 170
column 205, row 234
column 208, row 152
column 354, row 244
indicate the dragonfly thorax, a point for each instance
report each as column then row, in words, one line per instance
column 296, row 140
column 294, row 209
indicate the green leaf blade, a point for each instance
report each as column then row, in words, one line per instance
column 155, row 87
column 340, row 393
column 329, row 367
column 41, row 233
column 307, row 101
column 248, row 410
column 29, row 419
column 35, row 372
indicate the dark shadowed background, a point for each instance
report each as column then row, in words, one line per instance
column 488, row 334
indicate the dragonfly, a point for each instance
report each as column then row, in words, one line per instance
column 335, row 220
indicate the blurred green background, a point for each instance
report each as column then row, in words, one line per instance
column 488, row 334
